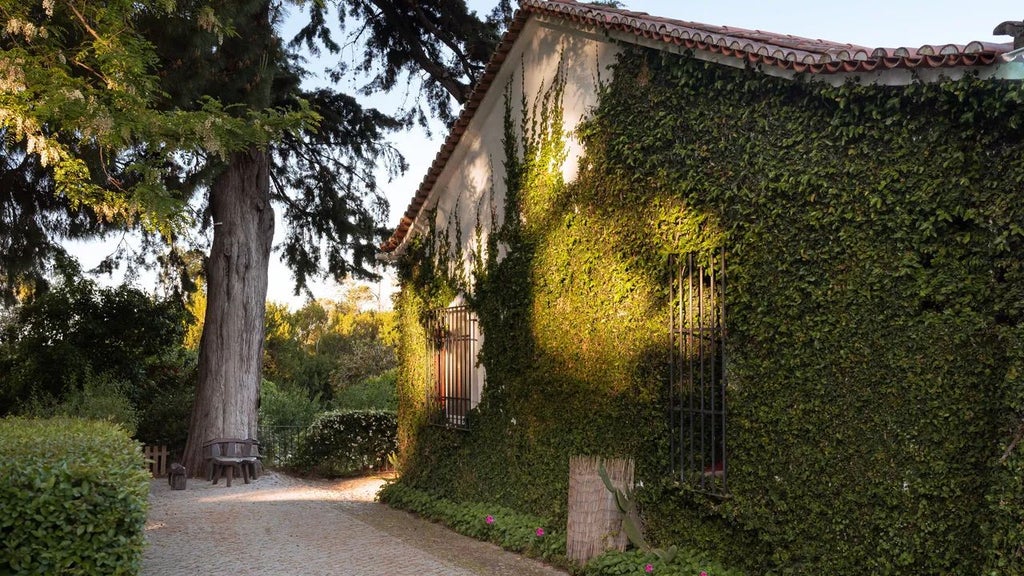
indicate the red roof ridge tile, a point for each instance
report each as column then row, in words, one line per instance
column 712, row 34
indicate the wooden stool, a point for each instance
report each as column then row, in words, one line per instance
column 176, row 477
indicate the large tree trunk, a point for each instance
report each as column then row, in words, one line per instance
column 231, row 348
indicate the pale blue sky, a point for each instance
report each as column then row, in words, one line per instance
column 871, row 23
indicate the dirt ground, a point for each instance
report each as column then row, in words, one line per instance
column 283, row 526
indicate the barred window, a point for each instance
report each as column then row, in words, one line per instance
column 697, row 375
column 455, row 380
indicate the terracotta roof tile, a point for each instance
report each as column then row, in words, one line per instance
column 800, row 55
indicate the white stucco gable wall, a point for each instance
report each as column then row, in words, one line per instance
column 469, row 194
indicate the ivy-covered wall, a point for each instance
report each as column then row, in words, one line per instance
column 875, row 296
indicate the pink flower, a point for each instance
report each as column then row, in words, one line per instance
column 650, row 569
column 489, row 519
column 540, row 531
column 703, row 574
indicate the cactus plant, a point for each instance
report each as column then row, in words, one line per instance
column 625, row 500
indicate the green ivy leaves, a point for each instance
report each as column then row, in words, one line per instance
column 874, row 294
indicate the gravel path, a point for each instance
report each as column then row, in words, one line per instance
column 284, row 526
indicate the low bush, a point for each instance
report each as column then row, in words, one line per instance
column 165, row 416
column 536, row 537
column 286, row 405
column 91, row 396
column 73, row 498
column 101, row 397
column 285, row 411
column 374, row 393
column 513, row 531
column 164, row 403
column 346, row 443
column 639, row 563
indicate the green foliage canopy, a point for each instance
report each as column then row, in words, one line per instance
column 103, row 353
column 326, row 347
column 80, row 93
column 79, row 333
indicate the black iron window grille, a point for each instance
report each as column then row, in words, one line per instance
column 453, row 376
column 696, row 373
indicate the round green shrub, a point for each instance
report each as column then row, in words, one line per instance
column 346, row 443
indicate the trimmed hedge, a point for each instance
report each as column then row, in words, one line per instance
column 73, row 498
column 346, row 443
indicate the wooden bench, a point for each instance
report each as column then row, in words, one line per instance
column 226, row 455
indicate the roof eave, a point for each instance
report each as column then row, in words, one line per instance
column 775, row 54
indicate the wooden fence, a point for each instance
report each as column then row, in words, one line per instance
column 156, row 459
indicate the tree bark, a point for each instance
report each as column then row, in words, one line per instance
column 231, row 347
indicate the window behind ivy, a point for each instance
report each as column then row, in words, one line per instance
column 697, row 378
column 455, row 381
